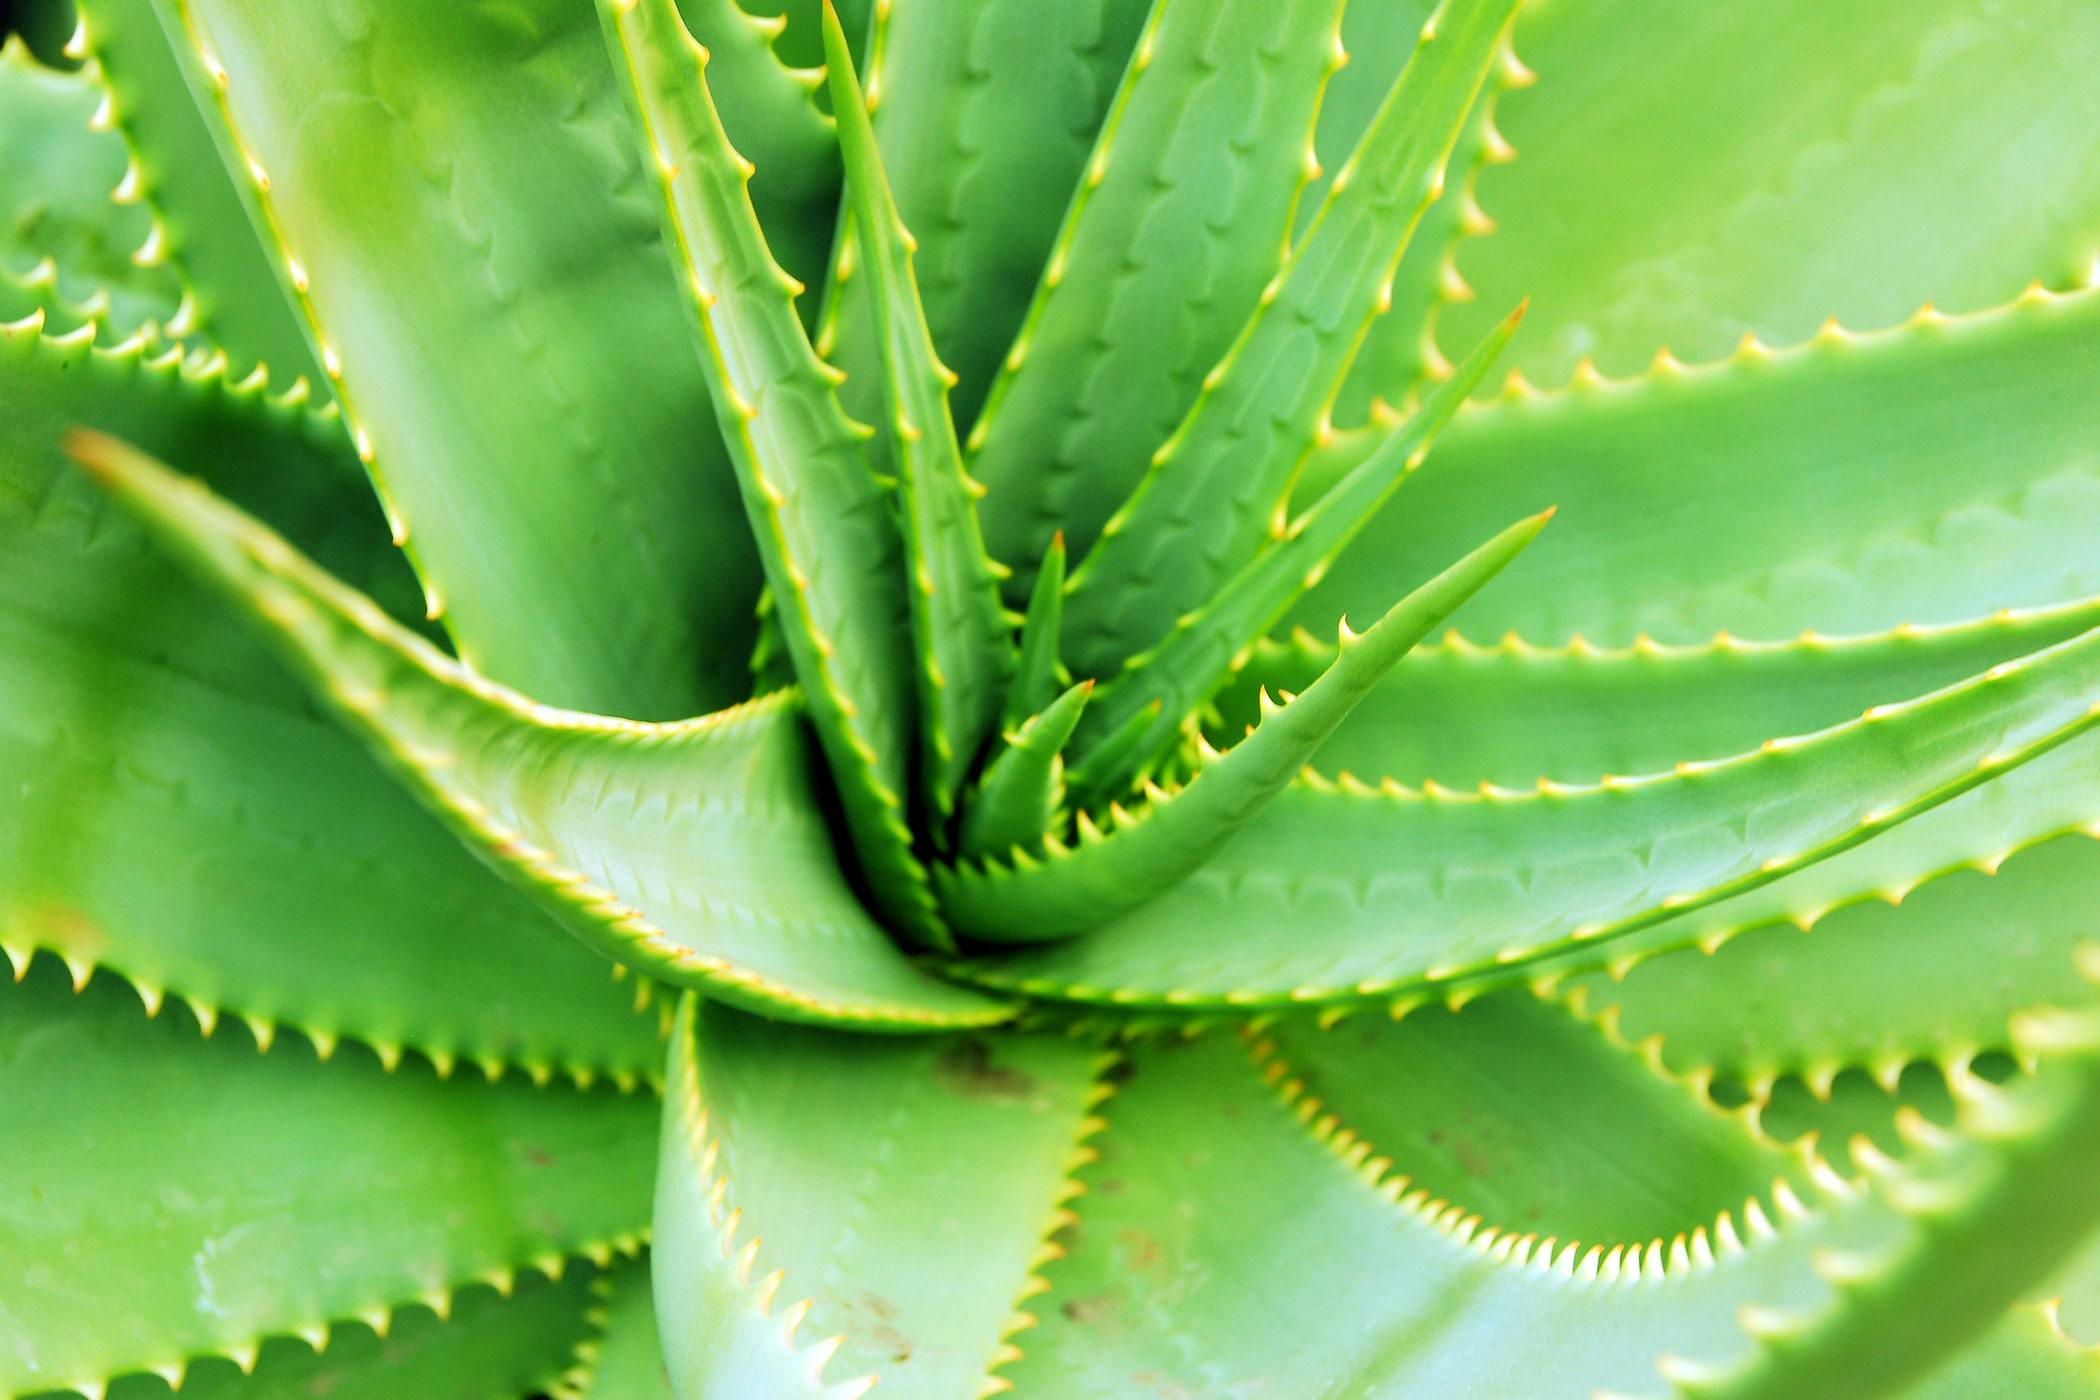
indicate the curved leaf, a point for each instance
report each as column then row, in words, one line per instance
column 832, row 1210
column 305, row 889
column 695, row 851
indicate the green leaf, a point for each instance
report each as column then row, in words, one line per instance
column 1846, row 471
column 770, row 111
column 1520, row 1113
column 167, row 1196
column 1038, row 671
column 487, row 1346
column 1384, row 891
column 833, row 1210
column 965, row 652
column 1714, row 170
column 1182, row 1267
column 305, row 889
column 1180, row 673
column 624, row 1359
column 1934, row 977
column 1181, row 216
column 460, row 210
column 200, row 224
column 57, row 175
column 695, row 851
column 1212, row 491
column 985, row 113
column 1456, row 714
column 1076, row 888
column 1017, row 799
column 821, row 518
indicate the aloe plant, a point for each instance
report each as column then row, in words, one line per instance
column 727, row 704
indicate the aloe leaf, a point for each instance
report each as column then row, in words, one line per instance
column 624, row 1358
column 1037, row 670
column 1181, row 216
column 986, row 114
column 1973, row 948
column 1422, row 1297
column 965, row 652
column 1456, row 714
column 133, row 705
column 1519, row 1113
column 173, row 176
column 168, row 1196
column 1191, row 661
column 1934, row 155
column 57, row 175
column 821, row 518
column 1017, row 800
column 455, row 202
column 1845, row 468
column 1492, row 884
column 1076, row 888
column 487, row 1346
column 1212, row 490
column 770, row 111
column 818, row 1228
column 694, row 851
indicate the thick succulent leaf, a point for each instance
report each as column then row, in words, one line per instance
column 1713, row 170
column 623, row 1359
column 1017, row 800
column 1173, row 1262
column 1456, row 714
column 695, row 851
column 454, row 199
column 1212, row 491
column 487, row 1346
column 1192, row 660
column 965, row 651
column 832, row 1210
column 821, row 518
column 1076, row 888
column 1381, row 890
column 772, row 117
column 168, row 1196
column 156, row 93
column 305, row 888
column 1181, row 217
column 57, row 176
column 1846, row 470
column 1519, row 1113
column 985, row 113
column 1876, row 984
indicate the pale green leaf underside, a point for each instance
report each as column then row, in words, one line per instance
column 814, row 1187
column 695, row 851
column 167, row 1196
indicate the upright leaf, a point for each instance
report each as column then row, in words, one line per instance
column 1213, row 489
column 965, row 652
column 822, row 520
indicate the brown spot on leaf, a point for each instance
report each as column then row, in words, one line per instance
column 967, row 1069
column 1098, row 1308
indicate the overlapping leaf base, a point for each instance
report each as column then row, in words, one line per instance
column 740, row 704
